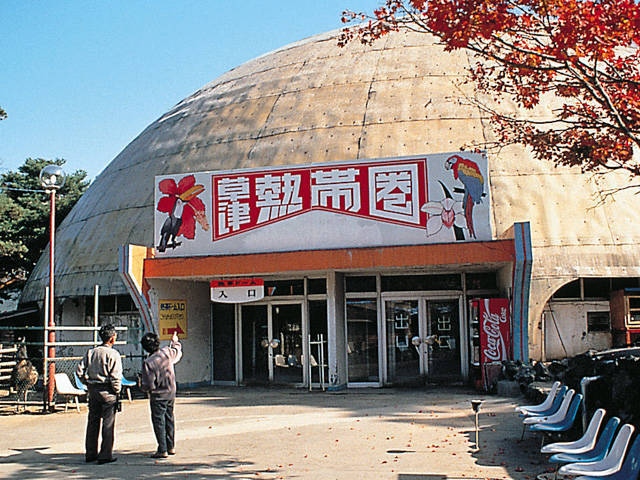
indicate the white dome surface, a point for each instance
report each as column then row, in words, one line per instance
column 313, row 102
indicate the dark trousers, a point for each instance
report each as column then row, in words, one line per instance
column 164, row 423
column 102, row 410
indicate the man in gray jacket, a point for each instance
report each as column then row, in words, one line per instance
column 158, row 379
column 101, row 370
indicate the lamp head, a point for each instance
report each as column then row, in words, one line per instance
column 475, row 404
column 52, row 177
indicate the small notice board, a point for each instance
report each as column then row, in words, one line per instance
column 172, row 317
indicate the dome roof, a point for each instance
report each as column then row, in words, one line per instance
column 312, row 102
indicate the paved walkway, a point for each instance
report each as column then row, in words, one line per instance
column 262, row 433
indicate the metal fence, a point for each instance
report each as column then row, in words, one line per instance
column 20, row 377
column 24, row 366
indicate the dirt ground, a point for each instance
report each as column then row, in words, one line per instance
column 276, row 433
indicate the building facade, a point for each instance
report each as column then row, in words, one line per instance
column 337, row 274
column 356, row 289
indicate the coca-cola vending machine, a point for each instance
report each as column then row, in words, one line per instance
column 490, row 339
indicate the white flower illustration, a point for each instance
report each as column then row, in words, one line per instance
column 445, row 213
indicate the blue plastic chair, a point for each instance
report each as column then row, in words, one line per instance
column 555, row 406
column 564, row 424
column 126, row 385
column 630, row 468
column 599, row 450
column 79, row 383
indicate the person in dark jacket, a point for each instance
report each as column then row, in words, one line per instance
column 158, row 379
column 101, row 370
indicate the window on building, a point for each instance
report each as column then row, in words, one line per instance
column 360, row 284
column 124, row 304
column 412, row 283
column 598, row 322
column 316, row 286
column 481, row 281
column 570, row 290
column 596, row 287
column 622, row 283
column 107, row 304
column 111, row 304
column 281, row 288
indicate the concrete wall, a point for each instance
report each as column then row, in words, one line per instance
column 565, row 329
column 195, row 366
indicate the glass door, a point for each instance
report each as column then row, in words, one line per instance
column 422, row 341
column 405, row 365
column 443, row 326
column 286, row 343
column 272, row 343
column 255, row 344
column 362, row 341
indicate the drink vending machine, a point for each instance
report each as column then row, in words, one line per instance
column 490, row 339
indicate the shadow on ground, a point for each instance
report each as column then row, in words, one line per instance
column 36, row 463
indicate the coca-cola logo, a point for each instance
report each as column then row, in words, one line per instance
column 495, row 348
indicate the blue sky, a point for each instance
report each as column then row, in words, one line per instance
column 81, row 79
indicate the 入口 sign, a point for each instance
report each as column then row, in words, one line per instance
column 237, row 290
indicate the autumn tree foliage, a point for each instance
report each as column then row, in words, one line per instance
column 585, row 52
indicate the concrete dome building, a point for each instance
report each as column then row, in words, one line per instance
column 552, row 246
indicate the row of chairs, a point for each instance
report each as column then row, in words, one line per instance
column 126, row 385
column 556, row 414
column 66, row 390
column 600, row 453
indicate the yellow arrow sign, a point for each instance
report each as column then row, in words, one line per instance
column 172, row 317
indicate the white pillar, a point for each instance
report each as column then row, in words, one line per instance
column 336, row 332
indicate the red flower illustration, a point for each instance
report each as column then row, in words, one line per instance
column 184, row 207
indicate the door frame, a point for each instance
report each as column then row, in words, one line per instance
column 270, row 304
column 422, row 299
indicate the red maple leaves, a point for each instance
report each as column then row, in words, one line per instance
column 583, row 52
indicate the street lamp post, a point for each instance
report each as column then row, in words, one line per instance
column 52, row 178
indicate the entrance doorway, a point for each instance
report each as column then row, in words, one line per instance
column 272, row 343
column 422, row 340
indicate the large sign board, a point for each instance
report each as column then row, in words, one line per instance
column 398, row 201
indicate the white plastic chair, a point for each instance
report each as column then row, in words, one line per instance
column 541, row 407
column 584, row 443
column 557, row 416
column 609, row 464
column 629, row 470
column 65, row 389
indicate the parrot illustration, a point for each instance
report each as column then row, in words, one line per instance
column 468, row 173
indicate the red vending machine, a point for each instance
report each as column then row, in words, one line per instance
column 490, row 338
